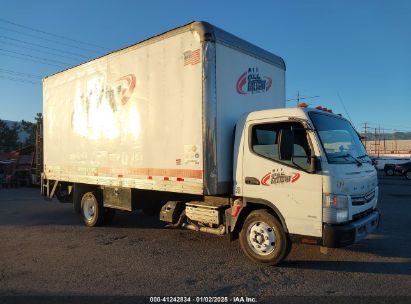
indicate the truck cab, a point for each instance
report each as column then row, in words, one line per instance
column 311, row 171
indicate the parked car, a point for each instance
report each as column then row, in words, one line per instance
column 380, row 162
column 404, row 169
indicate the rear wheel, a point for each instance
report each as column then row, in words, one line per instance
column 389, row 172
column 262, row 238
column 92, row 209
column 408, row 175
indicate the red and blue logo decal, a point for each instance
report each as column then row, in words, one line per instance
column 127, row 84
column 278, row 177
column 250, row 82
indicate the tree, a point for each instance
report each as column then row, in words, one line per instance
column 30, row 128
column 9, row 137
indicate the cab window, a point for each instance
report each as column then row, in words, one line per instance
column 284, row 142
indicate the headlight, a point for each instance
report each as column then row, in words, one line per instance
column 335, row 208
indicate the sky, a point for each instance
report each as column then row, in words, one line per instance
column 354, row 55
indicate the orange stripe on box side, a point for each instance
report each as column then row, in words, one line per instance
column 182, row 173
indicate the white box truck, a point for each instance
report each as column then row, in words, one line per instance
column 192, row 124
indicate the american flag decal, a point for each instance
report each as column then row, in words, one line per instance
column 192, row 57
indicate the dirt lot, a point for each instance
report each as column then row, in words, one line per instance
column 46, row 250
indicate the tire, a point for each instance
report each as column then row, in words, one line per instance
column 92, row 209
column 408, row 175
column 389, row 172
column 262, row 238
column 63, row 196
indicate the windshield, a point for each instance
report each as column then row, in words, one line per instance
column 340, row 141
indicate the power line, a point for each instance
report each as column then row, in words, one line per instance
column 395, row 126
column 405, row 129
column 51, row 34
column 19, row 80
column 35, row 57
column 20, row 74
column 36, row 61
column 41, row 51
column 52, row 41
column 370, row 126
column 42, row 46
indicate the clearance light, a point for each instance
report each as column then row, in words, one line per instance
column 302, row 105
column 324, row 109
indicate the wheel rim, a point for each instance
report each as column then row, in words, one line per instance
column 408, row 175
column 390, row 172
column 89, row 209
column 261, row 238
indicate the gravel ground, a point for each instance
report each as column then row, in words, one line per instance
column 45, row 250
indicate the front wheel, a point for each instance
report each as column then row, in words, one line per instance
column 262, row 238
column 408, row 175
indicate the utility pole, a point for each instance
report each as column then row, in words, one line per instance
column 379, row 140
column 375, row 140
column 383, row 133
column 395, row 141
column 365, row 134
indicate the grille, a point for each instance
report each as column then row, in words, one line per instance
column 363, row 199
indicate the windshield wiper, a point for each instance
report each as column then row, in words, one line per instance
column 365, row 155
column 350, row 155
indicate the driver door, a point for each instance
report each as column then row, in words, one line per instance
column 277, row 156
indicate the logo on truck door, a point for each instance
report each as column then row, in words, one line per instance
column 250, row 82
column 279, row 177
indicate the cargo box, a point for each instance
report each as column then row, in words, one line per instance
column 159, row 114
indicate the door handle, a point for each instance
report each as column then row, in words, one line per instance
column 252, row 181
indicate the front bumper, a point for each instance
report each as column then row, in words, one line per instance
column 344, row 235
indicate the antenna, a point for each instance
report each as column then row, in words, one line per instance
column 345, row 109
column 300, row 98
